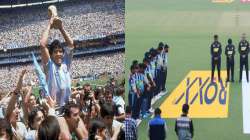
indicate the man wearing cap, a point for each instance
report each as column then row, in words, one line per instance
column 215, row 50
column 230, row 52
column 243, row 50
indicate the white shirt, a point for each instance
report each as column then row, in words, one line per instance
column 118, row 100
column 20, row 130
column 31, row 135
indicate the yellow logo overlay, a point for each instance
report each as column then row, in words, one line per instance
column 222, row 1
column 206, row 99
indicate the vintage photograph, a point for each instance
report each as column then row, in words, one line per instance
column 62, row 69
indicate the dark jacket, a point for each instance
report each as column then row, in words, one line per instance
column 215, row 49
column 157, row 129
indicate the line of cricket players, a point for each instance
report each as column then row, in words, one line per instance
column 147, row 80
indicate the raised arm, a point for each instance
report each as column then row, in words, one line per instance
column 25, row 97
column 66, row 36
column 44, row 43
column 11, row 105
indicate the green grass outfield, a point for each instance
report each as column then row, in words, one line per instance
column 188, row 27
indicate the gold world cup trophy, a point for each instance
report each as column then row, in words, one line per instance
column 52, row 12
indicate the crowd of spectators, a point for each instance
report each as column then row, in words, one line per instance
column 90, row 114
column 94, row 65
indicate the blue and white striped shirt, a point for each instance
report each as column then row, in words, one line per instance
column 58, row 78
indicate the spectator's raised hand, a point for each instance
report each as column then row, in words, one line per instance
column 50, row 102
column 20, row 81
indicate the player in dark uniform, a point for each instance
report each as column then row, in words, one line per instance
column 243, row 50
column 215, row 51
column 230, row 52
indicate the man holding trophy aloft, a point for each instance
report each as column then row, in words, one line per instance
column 56, row 60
